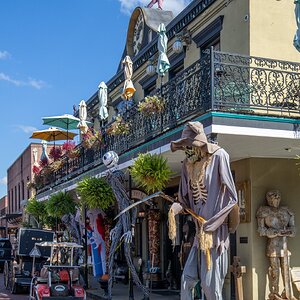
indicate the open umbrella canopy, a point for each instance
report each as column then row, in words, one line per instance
column 66, row 121
column 128, row 89
column 163, row 64
column 53, row 134
column 102, row 96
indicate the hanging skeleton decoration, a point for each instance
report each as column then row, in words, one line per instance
column 72, row 226
column 124, row 229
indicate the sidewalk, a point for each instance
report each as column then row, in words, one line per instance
column 120, row 292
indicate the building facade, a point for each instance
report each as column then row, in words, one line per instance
column 237, row 73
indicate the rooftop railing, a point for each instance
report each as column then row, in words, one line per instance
column 217, row 82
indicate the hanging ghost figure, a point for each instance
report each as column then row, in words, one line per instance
column 124, row 229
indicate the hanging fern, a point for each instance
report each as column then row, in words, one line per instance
column 60, row 204
column 151, row 171
column 96, row 193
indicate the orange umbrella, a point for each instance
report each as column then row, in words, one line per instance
column 53, row 134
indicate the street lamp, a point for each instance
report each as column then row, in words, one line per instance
column 183, row 39
column 150, row 69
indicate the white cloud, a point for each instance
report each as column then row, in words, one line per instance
column 127, row 6
column 26, row 128
column 37, row 84
column 4, row 55
column 3, row 180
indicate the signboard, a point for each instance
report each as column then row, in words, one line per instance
column 28, row 237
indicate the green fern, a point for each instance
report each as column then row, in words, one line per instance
column 96, row 193
column 60, row 204
column 151, row 172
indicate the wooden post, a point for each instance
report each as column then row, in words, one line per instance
column 237, row 272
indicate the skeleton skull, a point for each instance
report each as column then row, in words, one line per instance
column 110, row 159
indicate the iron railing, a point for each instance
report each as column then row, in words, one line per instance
column 218, row 81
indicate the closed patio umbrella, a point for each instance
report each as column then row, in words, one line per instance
column 128, row 89
column 102, row 96
column 297, row 34
column 163, row 64
column 82, row 125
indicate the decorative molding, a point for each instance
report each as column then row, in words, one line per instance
column 209, row 33
column 189, row 14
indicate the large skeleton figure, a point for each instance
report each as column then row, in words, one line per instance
column 206, row 190
column 124, row 229
column 277, row 223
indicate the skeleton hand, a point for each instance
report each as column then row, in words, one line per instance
column 127, row 236
column 112, row 234
column 177, row 208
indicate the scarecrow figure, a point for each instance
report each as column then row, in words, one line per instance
column 207, row 192
column 159, row 3
column 277, row 223
column 124, row 229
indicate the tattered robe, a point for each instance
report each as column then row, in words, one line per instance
column 220, row 198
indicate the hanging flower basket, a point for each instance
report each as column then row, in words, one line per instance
column 56, row 165
column 151, row 171
column 118, row 127
column 151, row 105
column 55, row 153
column 92, row 139
column 73, row 153
column 96, row 193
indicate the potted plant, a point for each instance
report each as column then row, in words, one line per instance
column 118, row 127
column 151, row 172
column 60, row 204
column 92, row 139
column 96, row 193
column 151, row 105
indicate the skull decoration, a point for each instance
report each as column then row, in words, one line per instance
column 110, row 159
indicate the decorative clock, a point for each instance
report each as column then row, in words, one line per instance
column 138, row 34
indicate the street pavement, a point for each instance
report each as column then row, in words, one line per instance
column 5, row 294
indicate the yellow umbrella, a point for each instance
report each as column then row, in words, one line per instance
column 53, row 134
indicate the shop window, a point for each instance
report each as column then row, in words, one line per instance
column 210, row 35
column 12, row 201
column 148, row 84
column 149, row 90
column 174, row 71
column 177, row 64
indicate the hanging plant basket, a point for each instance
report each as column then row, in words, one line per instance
column 56, row 165
column 118, row 127
column 92, row 139
column 74, row 153
column 96, row 193
column 60, row 204
column 151, row 105
column 151, row 172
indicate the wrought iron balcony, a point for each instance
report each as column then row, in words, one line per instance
column 217, row 82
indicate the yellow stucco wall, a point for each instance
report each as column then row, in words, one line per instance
column 272, row 29
column 265, row 174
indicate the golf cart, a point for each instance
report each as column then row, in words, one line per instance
column 60, row 278
column 18, row 268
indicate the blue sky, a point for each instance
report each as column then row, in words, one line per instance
column 53, row 54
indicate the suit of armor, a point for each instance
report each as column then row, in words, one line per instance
column 276, row 223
